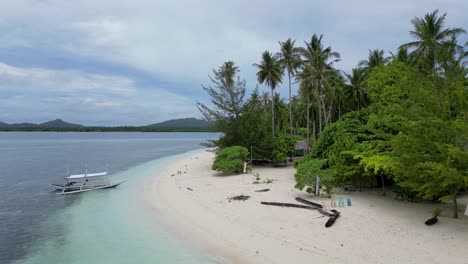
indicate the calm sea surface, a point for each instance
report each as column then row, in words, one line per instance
column 107, row 226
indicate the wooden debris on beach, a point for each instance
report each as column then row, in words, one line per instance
column 289, row 205
column 333, row 216
column 262, row 190
column 239, row 198
column 431, row 221
column 311, row 206
column 319, row 207
column 332, row 219
column 190, row 189
column 299, row 199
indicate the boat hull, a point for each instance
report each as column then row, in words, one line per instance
column 63, row 189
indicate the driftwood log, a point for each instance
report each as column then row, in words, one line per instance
column 431, row 221
column 289, row 205
column 319, row 207
column 239, row 198
column 262, row 190
column 332, row 219
column 310, row 206
column 299, row 199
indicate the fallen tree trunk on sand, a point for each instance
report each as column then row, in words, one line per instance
column 299, row 199
column 262, row 190
column 431, row 221
column 332, row 219
column 239, row 198
column 318, row 206
column 289, row 205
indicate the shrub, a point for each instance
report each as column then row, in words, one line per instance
column 308, row 170
column 257, row 176
column 436, row 212
column 284, row 147
column 230, row 160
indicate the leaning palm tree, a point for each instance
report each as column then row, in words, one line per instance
column 270, row 72
column 318, row 63
column 376, row 58
column 430, row 33
column 290, row 60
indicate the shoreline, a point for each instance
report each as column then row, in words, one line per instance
column 374, row 229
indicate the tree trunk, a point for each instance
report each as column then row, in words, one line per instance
column 455, row 207
column 314, row 132
column 308, row 118
column 290, row 111
column 383, row 184
column 320, row 116
column 272, row 113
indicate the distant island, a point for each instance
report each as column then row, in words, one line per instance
column 173, row 125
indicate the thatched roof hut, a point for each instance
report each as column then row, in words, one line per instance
column 302, row 145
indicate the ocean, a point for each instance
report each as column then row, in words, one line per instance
column 106, row 226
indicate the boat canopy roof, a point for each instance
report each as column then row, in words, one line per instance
column 77, row 176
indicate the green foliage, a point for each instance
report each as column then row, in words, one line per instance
column 284, row 147
column 230, row 160
column 340, row 144
column 410, row 125
column 307, row 172
column 427, row 141
column 257, row 176
column 436, row 212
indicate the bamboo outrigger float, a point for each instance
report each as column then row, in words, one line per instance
column 85, row 182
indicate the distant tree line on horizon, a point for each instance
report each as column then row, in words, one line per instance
column 58, row 125
column 107, row 129
column 401, row 118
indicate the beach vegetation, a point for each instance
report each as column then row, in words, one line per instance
column 231, row 160
column 257, row 176
column 436, row 212
column 290, row 60
column 396, row 121
column 270, row 72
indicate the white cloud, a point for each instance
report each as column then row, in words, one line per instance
column 179, row 42
column 183, row 40
column 38, row 95
column 71, row 81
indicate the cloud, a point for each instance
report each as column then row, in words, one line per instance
column 177, row 43
column 38, row 95
column 182, row 41
column 69, row 81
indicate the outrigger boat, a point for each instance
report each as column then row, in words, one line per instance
column 85, row 182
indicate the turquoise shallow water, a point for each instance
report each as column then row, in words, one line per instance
column 114, row 226
column 108, row 226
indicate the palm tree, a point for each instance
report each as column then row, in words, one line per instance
column 306, row 89
column 280, row 112
column 356, row 89
column 430, row 33
column 376, row 58
column 270, row 72
column 226, row 73
column 403, row 56
column 290, row 60
column 318, row 63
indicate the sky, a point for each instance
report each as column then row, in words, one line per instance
column 138, row 62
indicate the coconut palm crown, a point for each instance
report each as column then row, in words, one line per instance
column 270, row 73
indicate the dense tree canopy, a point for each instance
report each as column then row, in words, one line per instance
column 399, row 119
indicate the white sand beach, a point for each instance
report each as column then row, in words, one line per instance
column 375, row 229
